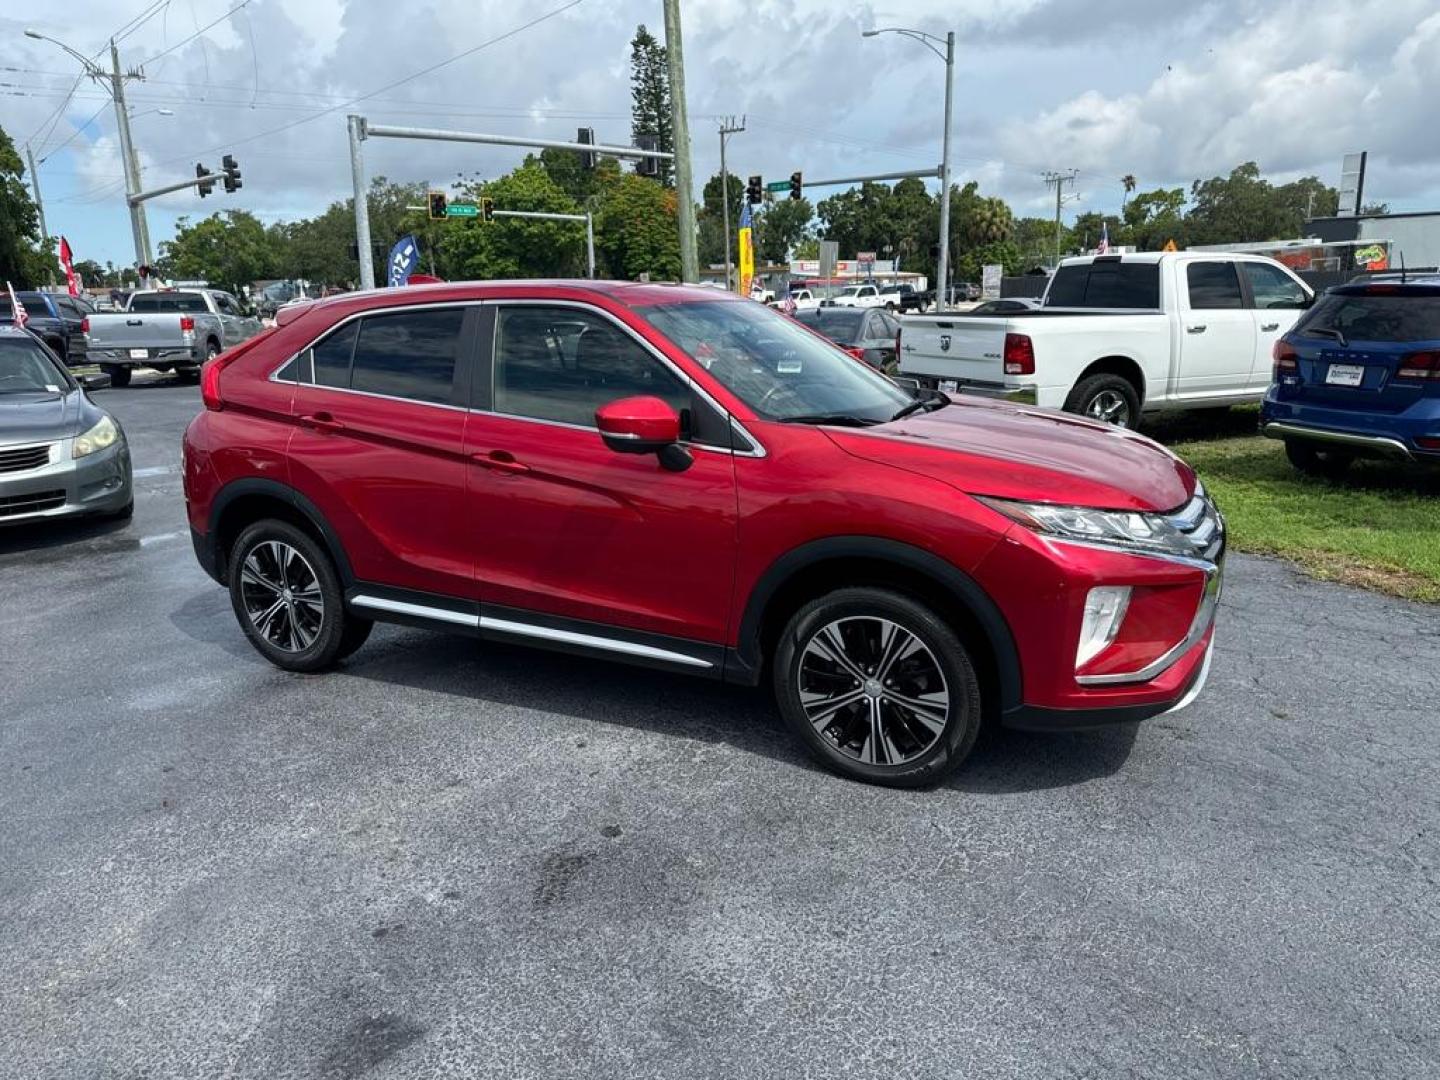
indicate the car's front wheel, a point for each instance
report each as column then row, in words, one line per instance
column 878, row 687
column 1315, row 461
column 287, row 597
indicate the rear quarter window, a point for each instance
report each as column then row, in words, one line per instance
column 1106, row 285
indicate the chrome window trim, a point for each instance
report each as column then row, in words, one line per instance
column 758, row 449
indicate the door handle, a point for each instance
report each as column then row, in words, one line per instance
column 323, row 421
column 1195, row 329
column 500, row 461
column 1267, row 327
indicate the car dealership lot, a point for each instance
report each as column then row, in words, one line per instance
column 454, row 859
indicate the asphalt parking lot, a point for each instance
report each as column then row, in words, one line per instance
column 449, row 859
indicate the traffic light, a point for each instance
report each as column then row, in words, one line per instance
column 796, row 184
column 587, row 136
column 487, row 209
column 232, row 173
column 755, row 191
column 647, row 166
column 437, row 204
column 205, row 187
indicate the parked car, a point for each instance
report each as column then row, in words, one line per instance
column 682, row 479
column 1119, row 334
column 168, row 330
column 1007, row 306
column 870, row 335
column 902, row 298
column 55, row 318
column 855, row 296
column 61, row 455
column 1359, row 376
column 805, row 299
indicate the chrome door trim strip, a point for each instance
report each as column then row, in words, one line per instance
column 419, row 611
column 592, row 641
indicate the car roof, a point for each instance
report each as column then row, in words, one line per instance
column 1157, row 256
column 630, row 293
column 1427, row 287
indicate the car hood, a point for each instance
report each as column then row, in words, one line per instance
column 35, row 417
column 986, row 447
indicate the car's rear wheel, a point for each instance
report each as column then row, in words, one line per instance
column 119, row 374
column 1316, row 461
column 1105, row 397
column 287, row 598
column 878, row 687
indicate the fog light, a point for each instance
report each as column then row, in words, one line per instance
column 1105, row 608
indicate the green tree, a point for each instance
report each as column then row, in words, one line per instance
column 1245, row 208
column 710, row 221
column 1154, row 218
column 91, row 273
column 780, row 226
column 26, row 258
column 1088, row 227
column 1034, row 239
column 517, row 247
column 570, row 176
column 637, row 230
column 650, row 98
column 229, row 249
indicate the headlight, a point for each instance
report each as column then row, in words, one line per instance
column 103, row 434
column 1125, row 529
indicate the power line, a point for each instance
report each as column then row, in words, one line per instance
column 79, row 128
column 198, row 33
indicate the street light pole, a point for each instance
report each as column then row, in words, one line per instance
column 931, row 42
column 40, row 209
column 684, row 186
column 727, row 128
column 363, row 253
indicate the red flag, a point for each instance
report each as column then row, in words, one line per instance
column 17, row 309
column 69, row 269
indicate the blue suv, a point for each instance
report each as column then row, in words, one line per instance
column 1359, row 376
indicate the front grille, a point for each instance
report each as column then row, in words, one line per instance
column 21, row 458
column 33, row 503
column 1199, row 520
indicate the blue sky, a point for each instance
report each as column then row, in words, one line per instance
column 1166, row 91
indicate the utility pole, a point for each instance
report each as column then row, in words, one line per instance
column 138, row 224
column 1059, row 180
column 728, row 127
column 685, row 189
column 40, row 209
column 942, row 269
column 356, row 126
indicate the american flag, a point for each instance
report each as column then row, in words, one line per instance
column 788, row 304
column 18, row 314
column 1104, row 248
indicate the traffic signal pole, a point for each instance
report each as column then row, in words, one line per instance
column 360, row 130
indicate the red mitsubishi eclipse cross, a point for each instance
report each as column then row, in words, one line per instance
column 682, row 479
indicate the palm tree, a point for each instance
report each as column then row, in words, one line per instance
column 1129, row 181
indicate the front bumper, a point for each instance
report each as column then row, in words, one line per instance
column 99, row 483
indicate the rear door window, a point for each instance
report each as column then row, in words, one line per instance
column 1106, row 285
column 1213, row 285
column 408, row 354
column 1272, row 287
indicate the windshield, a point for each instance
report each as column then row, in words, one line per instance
column 179, row 301
column 1373, row 317
column 25, row 368
column 774, row 365
column 838, row 324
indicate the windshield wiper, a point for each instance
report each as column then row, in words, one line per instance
column 935, row 400
column 1325, row 331
column 839, row 419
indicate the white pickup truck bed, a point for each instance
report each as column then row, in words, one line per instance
column 1201, row 338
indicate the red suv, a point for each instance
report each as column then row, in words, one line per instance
column 686, row 480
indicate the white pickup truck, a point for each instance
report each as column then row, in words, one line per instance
column 855, row 296
column 1120, row 334
column 168, row 330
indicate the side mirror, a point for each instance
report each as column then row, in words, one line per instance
column 638, row 425
column 99, row 381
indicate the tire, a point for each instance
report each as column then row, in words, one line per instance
column 356, row 633
column 119, row 375
column 212, row 349
column 272, row 565
column 1313, row 460
column 1109, row 398
column 925, row 746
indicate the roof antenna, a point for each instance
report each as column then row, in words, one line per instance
column 1402, row 266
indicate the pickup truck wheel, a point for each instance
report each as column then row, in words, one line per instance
column 286, row 596
column 878, row 687
column 119, row 375
column 1105, row 397
column 1313, row 461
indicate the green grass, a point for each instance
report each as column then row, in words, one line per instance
column 1379, row 527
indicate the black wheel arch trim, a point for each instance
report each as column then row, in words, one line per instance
column 744, row 663
column 247, row 486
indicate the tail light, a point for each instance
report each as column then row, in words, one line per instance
column 855, row 351
column 85, row 325
column 1287, row 360
column 187, row 324
column 1426, row 442
column 1419, row 365
column 1019, row 355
